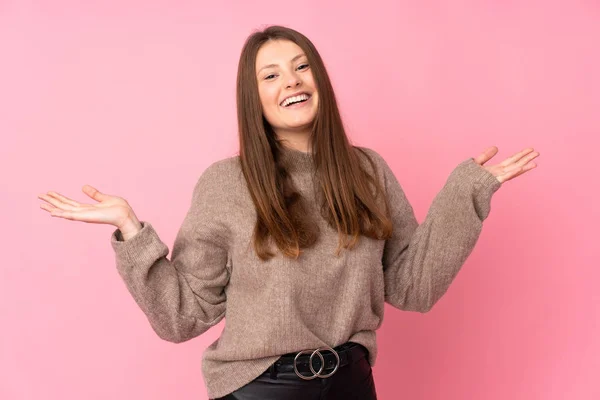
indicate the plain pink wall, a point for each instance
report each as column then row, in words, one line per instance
column 139, row 99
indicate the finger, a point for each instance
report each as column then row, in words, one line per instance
column 47, row 207
column 516, row 170
column 527, row 167
column 526, row 159
column 75, row 215
column 94, row 193
column 55, row 202
column 55, row 212
column 529, row 157
column 516, row 157
column 64, row 199
column 486, row 155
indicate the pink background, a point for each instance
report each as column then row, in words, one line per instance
column 138, row 99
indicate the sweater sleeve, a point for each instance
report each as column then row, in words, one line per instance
column 182, row 297
column 421, row 260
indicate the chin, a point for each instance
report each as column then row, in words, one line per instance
column 301, row 126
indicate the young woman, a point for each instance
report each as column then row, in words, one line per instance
column 298, row 241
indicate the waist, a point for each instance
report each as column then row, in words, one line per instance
column 321, row 362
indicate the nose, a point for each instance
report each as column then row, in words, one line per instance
column 292, row 81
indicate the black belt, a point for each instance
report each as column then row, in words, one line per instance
column 324, row 367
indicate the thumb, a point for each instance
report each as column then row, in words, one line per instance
column 486, row 155
column 94, row 193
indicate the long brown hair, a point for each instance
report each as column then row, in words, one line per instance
column 347, row 202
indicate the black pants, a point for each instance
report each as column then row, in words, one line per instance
column 350, row 382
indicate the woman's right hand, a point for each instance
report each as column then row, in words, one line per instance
column 112, row 210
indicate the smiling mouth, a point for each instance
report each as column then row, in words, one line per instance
column 293, row 103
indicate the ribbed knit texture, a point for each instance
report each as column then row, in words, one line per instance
column 282, row 305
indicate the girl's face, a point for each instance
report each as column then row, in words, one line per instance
column 282, row 71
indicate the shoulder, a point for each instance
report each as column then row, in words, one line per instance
column 372, row 154
column 379, row 167
column 222, row 175
column 222, row 167
column 372, row 159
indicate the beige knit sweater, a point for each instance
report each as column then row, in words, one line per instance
column 284, row 305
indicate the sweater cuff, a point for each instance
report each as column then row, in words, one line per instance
column 479, row 182
column 480, row 176
column 142, row 249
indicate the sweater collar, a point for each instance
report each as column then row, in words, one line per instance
column 296, row 160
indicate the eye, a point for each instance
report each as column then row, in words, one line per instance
column 268, row 77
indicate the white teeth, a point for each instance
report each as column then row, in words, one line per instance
column 295, row 98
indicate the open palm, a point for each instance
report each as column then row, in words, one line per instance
column 511, row 167
column 112, row 210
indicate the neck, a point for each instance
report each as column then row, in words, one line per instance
column 297, row 160
column 299, row 140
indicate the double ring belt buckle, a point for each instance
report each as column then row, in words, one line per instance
column 315, row 373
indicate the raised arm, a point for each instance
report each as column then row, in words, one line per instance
column 420, row 261
column 182, row 297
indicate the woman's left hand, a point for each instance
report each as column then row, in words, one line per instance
column 510, row 168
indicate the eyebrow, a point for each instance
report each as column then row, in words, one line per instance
column 274, row 65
